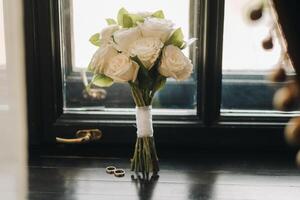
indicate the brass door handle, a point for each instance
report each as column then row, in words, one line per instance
column 82, row 136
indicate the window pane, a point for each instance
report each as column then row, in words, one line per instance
column 242, row 49
column 80, row 19
column 245, row 62
column 89, row 18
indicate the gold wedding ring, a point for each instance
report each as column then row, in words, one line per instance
column 119, row 173
column 115, row 171
column 110, row 169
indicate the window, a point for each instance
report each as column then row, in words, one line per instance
column 224, row 92
column 80, row 19
column 246, row 91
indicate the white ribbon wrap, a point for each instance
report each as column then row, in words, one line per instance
column 144, row 121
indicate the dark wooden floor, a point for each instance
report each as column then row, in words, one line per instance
column 206, row 176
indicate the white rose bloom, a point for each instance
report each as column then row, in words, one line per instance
column 155, row 27
column 125, row 37
column 107, row 32
column 147, row 50
column 121, row 69
column 175, row 64
column 101, row 58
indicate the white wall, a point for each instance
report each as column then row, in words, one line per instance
column 12, row 103
column 2, row 42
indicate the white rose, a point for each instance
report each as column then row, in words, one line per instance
column 121, row 68
column 125, row 37
column 147, row 50
column 155, row 27
column 175, row 64
column 107, row 32
column 101, row 58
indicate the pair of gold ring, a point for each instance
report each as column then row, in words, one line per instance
column 115, row 171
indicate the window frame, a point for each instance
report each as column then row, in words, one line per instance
column 207, row 128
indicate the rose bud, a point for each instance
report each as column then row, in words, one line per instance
column 292, row 131
column 285, row 97
column 277, row 75
column 268, row 43
column 256, row 14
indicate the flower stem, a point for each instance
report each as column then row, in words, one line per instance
column 145, row 157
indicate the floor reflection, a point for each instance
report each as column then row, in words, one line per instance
column 208, row 178
column 145, row 185
column 202, row 187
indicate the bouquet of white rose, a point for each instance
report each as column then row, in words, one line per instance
column 142, row 49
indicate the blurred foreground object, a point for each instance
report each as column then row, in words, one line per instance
column 256, row 13
column 286, row 29
column 292, row 131
column 286, row 97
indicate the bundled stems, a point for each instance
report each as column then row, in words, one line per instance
column 145, row 158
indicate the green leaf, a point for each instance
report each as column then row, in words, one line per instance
column 127, row 21
column 136, row 18
column 101, row 80
column 90, row 68
column 95, row 39
column 158, row 14
column 188, row 43
column 110, row 21
column 121, row 13
column 176, row 38
column 131, row 20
